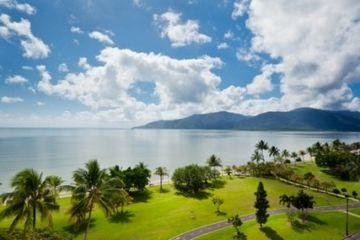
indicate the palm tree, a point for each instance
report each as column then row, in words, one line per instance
column 256, row 157
column 261, row 146
column 310, row 151
column 285, row 200
column 302, row 153
column 161, row 172
column 274, row 151
column 93, row 186
column 214, row 161
column 55, row 184
column 294, row 155
column 31, row 195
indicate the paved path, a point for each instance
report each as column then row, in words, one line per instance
column 351, row 213
column 223, row 224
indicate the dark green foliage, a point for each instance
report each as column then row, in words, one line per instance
column 303, row 201
column 191, row 179
column 335, row 190
column 41, row 234
column 134, row 178
column 236, row 222
column 261, row 205
column 338, row 157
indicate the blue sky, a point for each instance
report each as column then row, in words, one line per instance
column 122, row 63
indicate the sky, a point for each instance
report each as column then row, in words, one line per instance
column 110, row 63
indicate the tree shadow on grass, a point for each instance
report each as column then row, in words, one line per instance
column 316, row 220
column 164, row 190
column 122, row 217
column 78, row 230
column 271, row 233
column 220, row 213
column 141, row 196
column 199, row 195
column 240, row 236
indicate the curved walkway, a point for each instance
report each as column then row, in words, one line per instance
column 223, row 224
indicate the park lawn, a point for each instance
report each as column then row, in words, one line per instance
column 356, row 211
column 302, row 168
column 164, row 215
column 329, row 226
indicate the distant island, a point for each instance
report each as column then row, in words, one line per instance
column 301, row 119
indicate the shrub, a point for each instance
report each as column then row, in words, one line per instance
column 335, row 190
column 191, row 179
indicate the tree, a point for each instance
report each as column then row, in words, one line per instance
column 274, row 152
column 92, row 187
column 354, row 194
column 217, row 201
column 302, row 153
column 309, row 177
column 161, row 172
column 191, row 178
column 294, row 155
column 285, row 154
column 119, row 199
column 236, row 222
column 214, row 161
column 285, row 200
column 261, row 146
column 256, row 157
column 303, row 201
column 31, row 195
column 228, row 171
column 327, row 185
column 261, row 204
column 55, row 183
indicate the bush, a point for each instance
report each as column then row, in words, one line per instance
column 191, row 179
column 335, row 190
column 287, row 161
column 137, row 177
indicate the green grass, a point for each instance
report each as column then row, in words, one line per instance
column 329, row 226
column 164, row 215
column 320, row 174
column 356, row 211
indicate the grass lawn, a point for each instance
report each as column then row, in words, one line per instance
column 303, row 168
column 329, row 226
column 163, row 215
column 356, row 211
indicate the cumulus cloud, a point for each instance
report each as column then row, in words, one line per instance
column 240, row 7
column 246, row 55
column 22, row 7
column 222, row 45
column 28, row 68
column 101, row 37
column 15, row 79
column 40, row 104
column 316, row 44
column 179, row 33
column 33, row 47
column 63, row 68
column 76, row 30
column 182, row 86
column 262, row 82
column 229, row 35
column 6, row 99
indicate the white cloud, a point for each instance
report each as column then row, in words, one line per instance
column 178, row 32
column 33, row 47
column 240, row 7
column 63, row 68
column 182, row 86
column 317, row 46
column 246, row 55
column 6, row 99
column 22, row 7
column 222, row 45
column 40, row 104
column 83, row 63
column 138, row 3
column 229, row 35
column 76, row 30
column 101, row 37
column 28, row 68
column 262, row 82
column 15, row 79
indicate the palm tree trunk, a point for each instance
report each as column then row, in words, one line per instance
column 34, row 222
column 161, row 182
column 88, row 223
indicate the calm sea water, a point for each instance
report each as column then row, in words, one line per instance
column 61, row 151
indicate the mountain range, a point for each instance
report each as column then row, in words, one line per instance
column 301, row 119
